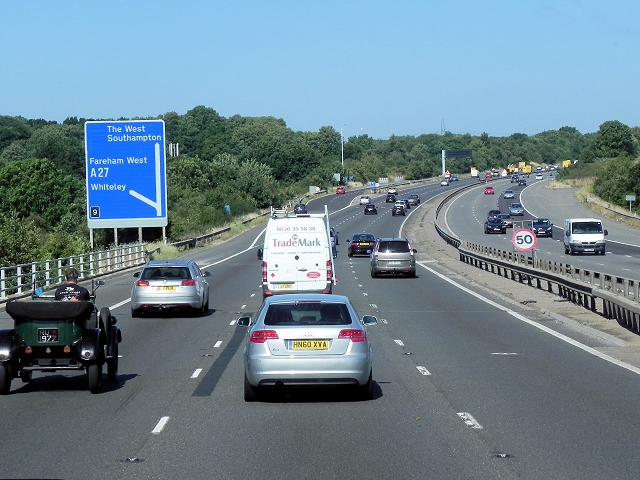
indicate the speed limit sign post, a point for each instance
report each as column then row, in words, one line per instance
column 524, row 239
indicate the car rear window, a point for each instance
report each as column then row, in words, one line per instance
column 166, row 273
column 315, row 313
column 393, row 246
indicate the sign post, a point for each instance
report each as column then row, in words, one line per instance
column 126, row 174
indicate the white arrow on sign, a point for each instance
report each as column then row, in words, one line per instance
column 157, row 204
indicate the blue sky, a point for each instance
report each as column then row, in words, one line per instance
column 375, row 67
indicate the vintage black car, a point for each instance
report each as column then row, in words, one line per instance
column 51, row 335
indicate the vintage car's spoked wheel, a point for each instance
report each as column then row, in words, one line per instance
column 94, row 373
column 5, row 378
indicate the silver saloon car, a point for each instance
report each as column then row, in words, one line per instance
column 170, row 285
column 307, row 340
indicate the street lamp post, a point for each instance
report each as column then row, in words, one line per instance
column 342, row 147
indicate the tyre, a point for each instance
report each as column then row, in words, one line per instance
column 5, row 378
column 349, row 254
column 373, row 274
column 112, row 364
column 566, row 250
column 105, row 323
column 412, row 274
column 26, row 375
column 202, row 311
column 250, row 393
column 366, row 390
column 94, row 375
column 135, row 313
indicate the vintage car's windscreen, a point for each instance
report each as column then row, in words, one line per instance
column 315, row 313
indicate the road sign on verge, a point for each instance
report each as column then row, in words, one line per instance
column 126, row 174
column 524, row 239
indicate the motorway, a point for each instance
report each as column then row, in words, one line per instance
column 465, row 387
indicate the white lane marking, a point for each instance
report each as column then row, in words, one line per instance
column 196, row 373
column 160, row 426
column 373, row 305
column 119, row 304
column 233, row 322
column 423, row 370
column 544, row 328
column 217, row 344
column 384, row 320
column 399, row 342
column 504, row 353
column 243, row 307
column 365, row 294
column 253, row 295
column 469, row 420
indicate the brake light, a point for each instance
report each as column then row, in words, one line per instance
column 142, row 283
column 329, row 271
column 261, row 336
column 264, row 272
column 353, row 334
column 188, row 283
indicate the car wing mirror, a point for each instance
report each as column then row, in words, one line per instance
column 244, row 321
column 206, row 273
column 567, row 233
column 606, row 232
column 415, row 251
column 259, row 254
column 136, row 274
column 369, row 320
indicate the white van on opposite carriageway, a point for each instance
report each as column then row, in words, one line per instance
column 584, row 235
column 297, row 257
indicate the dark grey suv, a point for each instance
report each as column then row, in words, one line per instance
column 393, row 255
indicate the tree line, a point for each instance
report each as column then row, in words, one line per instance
column 250, row 163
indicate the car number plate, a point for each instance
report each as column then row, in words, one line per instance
column 284, row 285
column 393, row 262
column 47, row 335
column 308, row 344
column 165, row 288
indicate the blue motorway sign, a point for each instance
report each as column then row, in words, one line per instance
column 126, row 174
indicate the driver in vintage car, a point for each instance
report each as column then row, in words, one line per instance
column 71, row 291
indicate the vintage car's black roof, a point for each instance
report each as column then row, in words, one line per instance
column 43, row 310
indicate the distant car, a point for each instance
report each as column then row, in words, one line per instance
column 514, row 178
column 522, row 182
column 406, row 202
column 506, row 218
column 494, row 225
column 392, row 190
column 493, row 213
column 307, row 340
column 340, row 191
column 444, row 183
column 170, row 285
column 365, row 199
column 300, row 208
column 516, row 208
column 495, row 174
column 361, row 244
column 538, row 176
column 539, row 169
column 488, row 175
column 414, row 198
column 370, row 209
column 393, row 255
column 542, row 227
column 391, row 198
column 489, row 191
column 398, row 209
column 525, row 175
column 334, row 233
column 508, row 194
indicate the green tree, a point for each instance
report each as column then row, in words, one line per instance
column 19, row 240
column 613, row 139
column 62, row 144
column 13, row 128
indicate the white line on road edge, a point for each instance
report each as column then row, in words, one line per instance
column 570, row 341
column 160, row 426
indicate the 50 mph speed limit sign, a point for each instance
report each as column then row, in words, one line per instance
column 524, row 239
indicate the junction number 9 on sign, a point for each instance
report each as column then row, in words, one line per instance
column 524, row 239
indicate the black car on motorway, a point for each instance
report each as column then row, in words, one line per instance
column 495, row 225
column 361, row 244
column 542, row 227
column 391, row 198
column 398, row 209
column 370, row 209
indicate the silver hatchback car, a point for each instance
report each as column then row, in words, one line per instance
column 307, row 340
column 168, row 285
column 393, row 255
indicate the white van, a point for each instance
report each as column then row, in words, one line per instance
column 297, row 257
column 584, row 235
